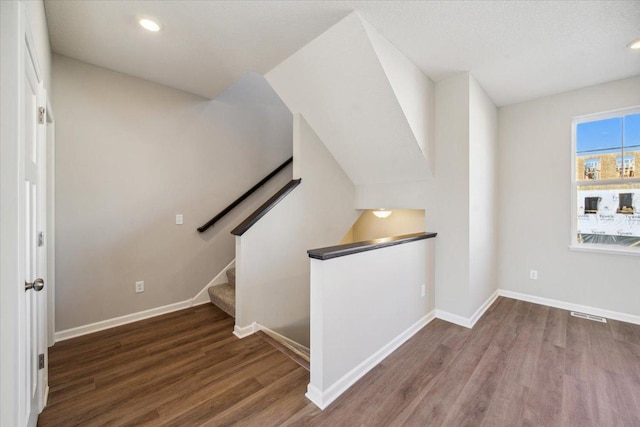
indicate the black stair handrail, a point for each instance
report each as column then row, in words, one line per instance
column 266, row 207
column 240, row 199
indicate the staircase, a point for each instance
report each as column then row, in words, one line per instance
column 224, row 295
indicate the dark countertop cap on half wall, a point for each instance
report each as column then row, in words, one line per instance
column 367, row 245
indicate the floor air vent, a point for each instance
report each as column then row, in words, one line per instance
column 589, row 317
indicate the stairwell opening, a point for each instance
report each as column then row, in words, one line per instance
column 400, row 222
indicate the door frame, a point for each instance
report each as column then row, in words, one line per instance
column 15, row 43
column 50, row 226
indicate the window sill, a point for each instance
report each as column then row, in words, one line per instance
column 604, row 249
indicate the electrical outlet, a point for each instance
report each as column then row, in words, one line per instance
column 533, row 274
column 179, row 219
column 139, row 286
column 424, row 289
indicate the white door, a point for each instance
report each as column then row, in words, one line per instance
column 35, row 257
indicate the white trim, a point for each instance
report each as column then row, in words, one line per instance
column 603, row 249
column 46, row 397
column 607, row 114
column 453, row 318
column 122, row 320
column 50, row 116
column 202, row 297
column 594, row 182
column 323, row 399
column 484, row 307
column 314, row 394
column 245, row 331
column 468, row 322
column 43, row 252
column 50, row 237
column 615, row 315
column 282, row 338
column 31, row 51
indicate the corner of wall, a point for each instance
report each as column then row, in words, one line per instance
column 413, row 90
column 316, row 214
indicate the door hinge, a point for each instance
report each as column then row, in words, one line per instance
column 42, row 115
column 41, row 239
column 41, row 361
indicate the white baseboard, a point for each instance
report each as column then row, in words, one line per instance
column 484, row 307
column 322, row 399
column 122, row 320
column 314, row 394
column 282, row 338
column 453, row 318
column 614, row 315
column 203, row 296
column 46, row 397
column 468, row 322
column 245, row 331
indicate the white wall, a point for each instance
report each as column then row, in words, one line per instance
column 459, row 200
column 272, row 283
column 412, row 88
column 535, row 167
column 130, row 156
column 362, row 306
column 447, row 211
column 337, row 82
column 483, row 192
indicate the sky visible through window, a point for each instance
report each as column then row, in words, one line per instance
column 606, row 136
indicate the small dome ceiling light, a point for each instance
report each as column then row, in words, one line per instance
column 635, row 44
column 150, row 25
column 381, row 213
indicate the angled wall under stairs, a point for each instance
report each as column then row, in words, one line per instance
column 369, row 104
column 272, row 286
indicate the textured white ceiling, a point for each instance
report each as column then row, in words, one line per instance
column 517, row 50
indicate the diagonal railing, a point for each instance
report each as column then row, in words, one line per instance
column 240, row 199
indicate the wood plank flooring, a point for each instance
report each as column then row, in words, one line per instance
column 521, row 365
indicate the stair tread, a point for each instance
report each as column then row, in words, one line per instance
column 224, row 297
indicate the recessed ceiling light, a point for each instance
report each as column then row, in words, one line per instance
column 635, row 44
column 150, row 25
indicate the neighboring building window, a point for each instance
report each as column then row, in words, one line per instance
column 606, row 189
column 591, row 205
column 592, row 168
column 629, row 163
column 625, row 205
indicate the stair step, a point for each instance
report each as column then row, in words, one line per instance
column 224, row 297
column 231, row 275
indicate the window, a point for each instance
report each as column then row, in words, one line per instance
column 626, row 203
column 606, row 189
column 592, row 168
column 591, row 205
column 629, row 162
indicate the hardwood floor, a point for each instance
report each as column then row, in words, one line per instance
column 521, row 365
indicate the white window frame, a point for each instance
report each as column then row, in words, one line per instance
column 575, row 183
